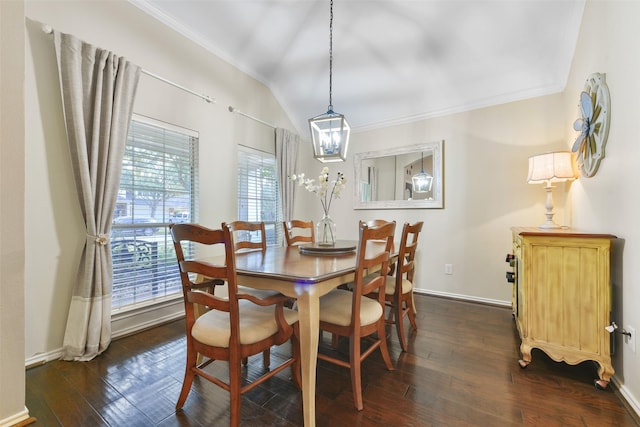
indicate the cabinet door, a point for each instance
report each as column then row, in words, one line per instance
column 568, row 296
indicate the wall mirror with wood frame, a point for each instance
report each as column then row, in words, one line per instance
column 384, row 179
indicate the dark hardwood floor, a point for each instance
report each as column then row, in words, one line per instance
column 461, row 370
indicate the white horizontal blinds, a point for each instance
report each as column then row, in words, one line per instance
column 158, row 186
column 258, row 192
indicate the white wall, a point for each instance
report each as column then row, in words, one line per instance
column 609, row 42
column 485, row 192
column 485, row 167
column 12, row 244
column 54, row 233
column 485, row 160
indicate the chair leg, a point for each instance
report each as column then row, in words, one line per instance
column 266, row 358
column 399, row 321
column 234, row 391
column 188, row 378
column 384, row 349
column 356, row 375
column 412, row 312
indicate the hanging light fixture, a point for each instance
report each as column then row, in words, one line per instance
column 330, row 131
column 422, row 181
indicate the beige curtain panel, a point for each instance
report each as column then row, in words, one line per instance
column 98, row 89
column 287, row 144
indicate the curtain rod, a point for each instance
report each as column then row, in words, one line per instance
column 235, row 110
column 47, row 29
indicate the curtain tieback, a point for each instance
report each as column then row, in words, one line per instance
column 101, row 239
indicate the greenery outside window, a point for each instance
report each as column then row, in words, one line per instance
column 158, row 187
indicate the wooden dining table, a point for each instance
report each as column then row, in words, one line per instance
column 305, row 277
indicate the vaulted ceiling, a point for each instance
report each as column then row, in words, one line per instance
column 393, row 60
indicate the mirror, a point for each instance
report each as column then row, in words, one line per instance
column 385, row 179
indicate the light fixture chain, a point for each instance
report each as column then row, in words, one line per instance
column 331, row 55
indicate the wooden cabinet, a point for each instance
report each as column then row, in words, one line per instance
column 561, row 297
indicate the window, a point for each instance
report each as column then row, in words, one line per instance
column 258, row 192
column 158, row 186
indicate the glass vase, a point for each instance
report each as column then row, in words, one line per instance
column 326, row 231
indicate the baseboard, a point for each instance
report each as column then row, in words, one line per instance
column 630, row 400
column 460, row 297
column 43, row 358
column 138, row 327
column 123, row 325
column 22, row 418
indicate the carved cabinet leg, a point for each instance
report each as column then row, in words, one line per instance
column 526, row 355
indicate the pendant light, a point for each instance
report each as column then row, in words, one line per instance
column 422, row 181
column 330, row 131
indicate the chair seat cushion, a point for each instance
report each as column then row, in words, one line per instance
column 335, row 308
column 391, row 286
column 256, row 323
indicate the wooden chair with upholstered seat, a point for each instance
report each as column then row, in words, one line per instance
column 378, row 223
column 352, row 314
column 248, row 236
column 252, row 236
column 234, row 327
column 399, row 287
column 298, row 231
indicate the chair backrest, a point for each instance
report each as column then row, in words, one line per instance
column 407, row 252
column 186, row 237
column 247, row 236
column 373, row 222
column 374, row 248
column 298, row 231
column 378, row 223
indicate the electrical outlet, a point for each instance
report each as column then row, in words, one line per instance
column 448, row 269
column 631, row 340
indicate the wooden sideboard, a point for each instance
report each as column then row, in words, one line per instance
column 562, row 296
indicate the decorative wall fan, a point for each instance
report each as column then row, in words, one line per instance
column 593, row 124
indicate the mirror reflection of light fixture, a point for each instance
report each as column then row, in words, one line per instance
column 421, row 182
column 547, row 168
column 330, row 131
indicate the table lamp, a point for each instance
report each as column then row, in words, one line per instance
column 547, row 168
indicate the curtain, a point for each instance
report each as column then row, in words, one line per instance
column 286, row 158
column 98, row 89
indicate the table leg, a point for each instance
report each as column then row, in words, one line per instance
column 308, row 312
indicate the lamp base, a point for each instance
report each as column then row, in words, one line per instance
column 549, row 225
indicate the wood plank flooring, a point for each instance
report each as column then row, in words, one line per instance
column 461, row 370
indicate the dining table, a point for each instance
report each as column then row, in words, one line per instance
column 304, row 273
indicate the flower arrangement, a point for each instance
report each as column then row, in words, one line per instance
column 326, row 190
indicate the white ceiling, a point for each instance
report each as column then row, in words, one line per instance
column 393, row 60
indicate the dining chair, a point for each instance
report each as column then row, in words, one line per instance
column 244, row 235
column 349, row 286
column 352, row 314
column 399, row 287
column 233, row 328
column 298, row 231
column 377, row 223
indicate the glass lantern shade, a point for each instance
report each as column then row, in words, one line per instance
column 330, row 137
column 422, row 182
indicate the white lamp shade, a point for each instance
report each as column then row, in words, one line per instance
column 330, row 137
column 552, row 167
